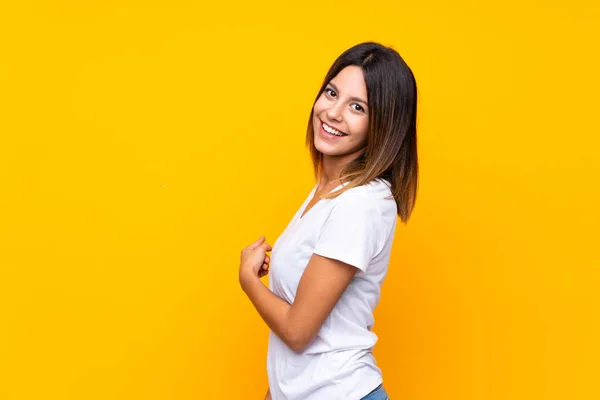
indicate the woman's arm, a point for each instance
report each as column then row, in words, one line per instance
column 322, row 284
column 268, row 396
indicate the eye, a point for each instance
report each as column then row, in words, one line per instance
column 330, row 92
column 358, row 107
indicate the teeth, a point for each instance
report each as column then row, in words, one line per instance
column 329, row 129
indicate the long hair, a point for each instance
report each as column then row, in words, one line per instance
column 391, row 150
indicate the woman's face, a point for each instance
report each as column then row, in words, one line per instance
column 341, row 115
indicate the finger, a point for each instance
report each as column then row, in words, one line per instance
column 259, row 242
column 266, row 246
column 267, row 259
column 265, row 266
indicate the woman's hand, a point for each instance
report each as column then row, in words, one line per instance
column 255, row 261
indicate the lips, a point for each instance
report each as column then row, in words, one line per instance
column 328, row 136
column 329, row 131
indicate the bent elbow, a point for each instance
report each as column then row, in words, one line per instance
column 298, row 346
column 297, row 340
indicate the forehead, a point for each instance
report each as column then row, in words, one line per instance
column 351, row 81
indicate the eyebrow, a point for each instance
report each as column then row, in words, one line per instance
column 351, row 98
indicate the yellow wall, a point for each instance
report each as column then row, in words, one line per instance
column 143, row 145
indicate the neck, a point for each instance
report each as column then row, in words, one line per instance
column 330, row 170
column 332, row 167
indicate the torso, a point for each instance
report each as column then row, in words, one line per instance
column 342, row 349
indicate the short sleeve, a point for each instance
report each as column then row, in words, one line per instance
column 353, row 233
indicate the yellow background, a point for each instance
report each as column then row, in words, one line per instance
column 143, row 144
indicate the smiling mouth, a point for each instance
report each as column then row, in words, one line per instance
column 332, row 131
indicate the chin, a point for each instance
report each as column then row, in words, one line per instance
column 326, row 150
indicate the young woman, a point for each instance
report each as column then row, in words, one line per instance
column 328, row 265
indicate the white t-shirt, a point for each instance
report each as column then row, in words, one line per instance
column 357, row 227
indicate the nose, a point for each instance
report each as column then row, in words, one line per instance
column 335, row 111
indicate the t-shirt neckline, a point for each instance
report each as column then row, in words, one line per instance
column 311, row 196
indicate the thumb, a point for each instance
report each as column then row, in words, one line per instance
column 266, row 246
column 254, row 245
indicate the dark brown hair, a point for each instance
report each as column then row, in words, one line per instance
column 391, row 151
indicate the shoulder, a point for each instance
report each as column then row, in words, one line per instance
column 358, row 225
column 375, row 196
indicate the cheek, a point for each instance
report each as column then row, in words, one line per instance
column 320, row 105
column 360, row 127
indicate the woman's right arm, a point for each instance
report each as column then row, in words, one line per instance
column 268, row 396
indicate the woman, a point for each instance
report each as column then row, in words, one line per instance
column 328, row 266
